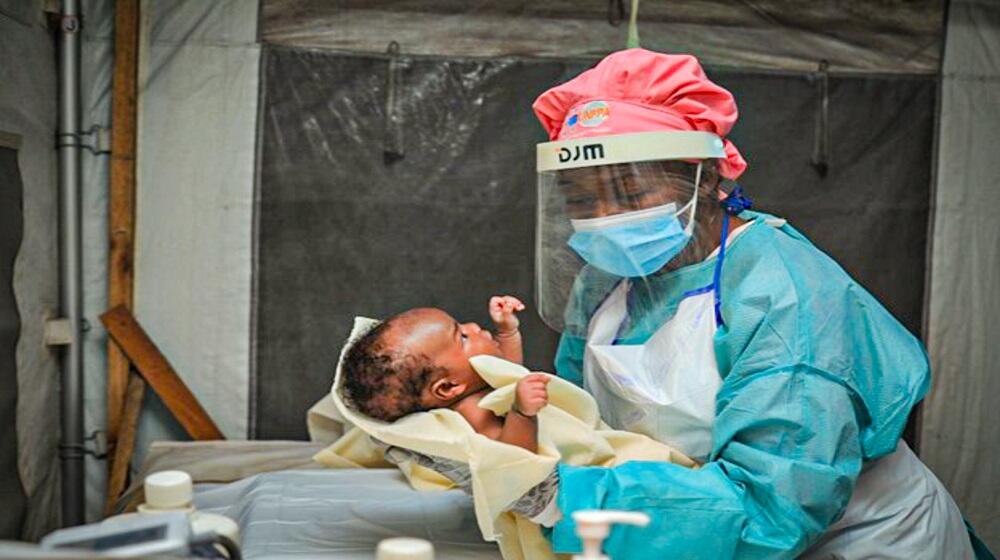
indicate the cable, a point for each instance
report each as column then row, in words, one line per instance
column 212, row 538
column 633, row 27
column 231, row 547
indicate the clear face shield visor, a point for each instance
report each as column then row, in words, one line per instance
column 611, row 208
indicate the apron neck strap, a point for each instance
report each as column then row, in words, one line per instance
column 734, row 204
column 717, row 277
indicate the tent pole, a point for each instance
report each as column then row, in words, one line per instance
column 71, row 450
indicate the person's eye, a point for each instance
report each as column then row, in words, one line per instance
column 582, row 200
column 580, row 204
column 465, row 338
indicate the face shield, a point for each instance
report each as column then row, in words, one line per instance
column 616, row 207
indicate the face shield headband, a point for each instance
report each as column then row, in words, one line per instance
column 628, row 148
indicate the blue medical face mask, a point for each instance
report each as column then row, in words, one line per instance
column 633, row 244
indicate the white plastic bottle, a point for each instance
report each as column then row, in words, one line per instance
column 174, row 491
column 594, row 525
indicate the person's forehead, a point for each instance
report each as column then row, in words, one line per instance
column 596, row 175
column 422, row 330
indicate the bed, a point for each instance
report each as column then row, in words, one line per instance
column 288, row 507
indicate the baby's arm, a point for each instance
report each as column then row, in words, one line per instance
column 520, row 426
column 503, row 311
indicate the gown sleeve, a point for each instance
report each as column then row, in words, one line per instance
column 569, row 358
column 590, row 288
column 787, row 456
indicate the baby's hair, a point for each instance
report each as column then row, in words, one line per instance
column 383, row 383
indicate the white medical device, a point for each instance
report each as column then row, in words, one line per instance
column 166, row 524
column 173, row 491
column 127, row 536
column 593, row 526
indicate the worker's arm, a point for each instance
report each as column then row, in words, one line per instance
column 786, row 457
column 569, row 358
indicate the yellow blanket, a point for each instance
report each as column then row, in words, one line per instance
column 569, row 431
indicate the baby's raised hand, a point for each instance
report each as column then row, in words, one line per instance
column 531, row 393
column 503, row 313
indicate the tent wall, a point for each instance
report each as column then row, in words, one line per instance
column 962, row 438
column 197, row 103
column 196, row 146
column 28, row 109
column 341, row 232
column 96, row 68
column 11, row 223
column 344, row 232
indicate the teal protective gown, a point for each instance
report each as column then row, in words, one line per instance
column 817, row 378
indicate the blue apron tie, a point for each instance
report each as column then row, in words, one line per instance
column 734, row 205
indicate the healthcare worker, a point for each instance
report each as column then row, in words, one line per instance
column 722, row 332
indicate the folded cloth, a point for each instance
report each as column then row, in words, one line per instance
column 536, row 504
column 569, row 431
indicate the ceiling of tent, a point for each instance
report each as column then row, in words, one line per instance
column 870, row 36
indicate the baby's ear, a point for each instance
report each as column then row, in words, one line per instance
column 446, row 389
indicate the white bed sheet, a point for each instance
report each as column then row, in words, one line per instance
column 342, row 514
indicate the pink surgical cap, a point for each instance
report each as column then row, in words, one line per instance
column 636, row 90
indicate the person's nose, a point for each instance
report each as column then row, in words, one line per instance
column 473, row 329
column 599, row 210
column 606, row 208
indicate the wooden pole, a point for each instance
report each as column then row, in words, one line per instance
column 121, row 211
column 161, row 376
column 126, row 442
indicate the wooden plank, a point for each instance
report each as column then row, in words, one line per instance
column 126, row 442
column 121, row 202
column 153, row 366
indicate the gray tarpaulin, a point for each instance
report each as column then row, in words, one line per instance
column 448, row 220
column 859, row 35
column 28, row 109
column 11, row 491
column 961, row 436
column 96, row 68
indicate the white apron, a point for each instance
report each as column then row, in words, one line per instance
column 666, row 389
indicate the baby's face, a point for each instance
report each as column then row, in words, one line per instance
column 448, row 343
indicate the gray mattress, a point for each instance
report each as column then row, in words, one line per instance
column 342, row 514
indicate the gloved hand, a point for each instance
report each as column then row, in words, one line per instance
column 537, row 504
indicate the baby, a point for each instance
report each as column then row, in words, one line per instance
column 419, row 360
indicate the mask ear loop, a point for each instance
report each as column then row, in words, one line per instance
column 689, row 228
